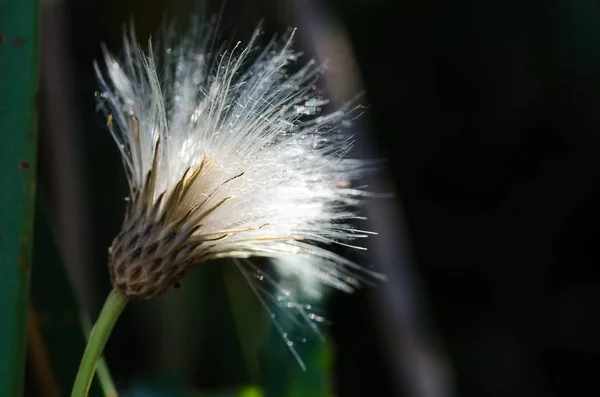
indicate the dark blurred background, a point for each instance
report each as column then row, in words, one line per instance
column 488, row 115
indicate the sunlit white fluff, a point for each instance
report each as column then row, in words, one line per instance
column 274, row 180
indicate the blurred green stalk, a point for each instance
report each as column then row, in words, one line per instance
column 18, row 135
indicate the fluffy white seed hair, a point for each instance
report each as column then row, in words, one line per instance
column 227, row 156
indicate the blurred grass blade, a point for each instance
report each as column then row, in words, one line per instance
column 250, row 319
column 284, row 377
column 317, row 380
column 18, row 88
column 57, row 321
column 283, row 374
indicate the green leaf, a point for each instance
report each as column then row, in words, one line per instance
column 18, row 133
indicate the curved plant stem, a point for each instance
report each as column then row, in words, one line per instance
column 114, row 305
column 104, row 379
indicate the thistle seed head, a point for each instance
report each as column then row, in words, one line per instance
column 227, row 158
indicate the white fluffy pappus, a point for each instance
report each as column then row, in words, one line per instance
column 227, row 156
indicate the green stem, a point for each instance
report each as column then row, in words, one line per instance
column 114, row 305
column 106, row 383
